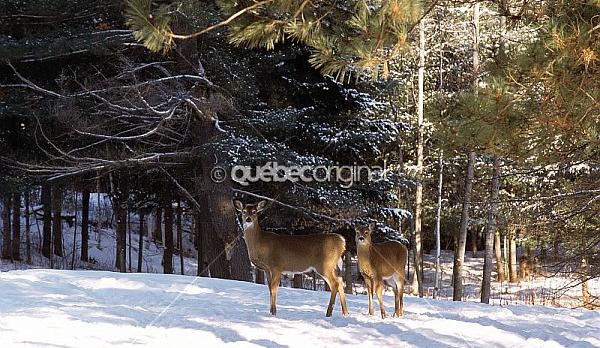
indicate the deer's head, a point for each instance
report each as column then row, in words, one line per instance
column 249, row 212
column 364, row 234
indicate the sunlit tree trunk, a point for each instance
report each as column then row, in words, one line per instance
column 420, row 139
column 499, row 260
column 512, row 251
column 459, row 253
column 490, row 233
column 436, row 282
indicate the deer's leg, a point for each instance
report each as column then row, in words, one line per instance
column 274, row 278
column 379, row 291
column 342, row 296
column 369, row 284
column 331, row 280
column 399, row 295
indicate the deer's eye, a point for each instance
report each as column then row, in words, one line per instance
column 254, row 212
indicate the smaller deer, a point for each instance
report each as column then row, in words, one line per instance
column 528, row 267
column 379, row 262
column 276, row 253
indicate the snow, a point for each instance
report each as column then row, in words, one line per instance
column 53, row 308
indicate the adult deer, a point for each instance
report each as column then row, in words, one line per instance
column 378, row 262
column 275, row 254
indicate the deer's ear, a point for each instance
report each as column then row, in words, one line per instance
column 372, row 226
column 238, row 205
column 261, row 205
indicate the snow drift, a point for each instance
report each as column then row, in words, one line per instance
column 50, row 308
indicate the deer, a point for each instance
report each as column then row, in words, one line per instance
column 275, row 254
column 528, row 267
column 378, row 262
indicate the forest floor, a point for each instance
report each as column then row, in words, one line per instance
column 54, row 308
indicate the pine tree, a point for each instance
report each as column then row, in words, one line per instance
column 346, row 38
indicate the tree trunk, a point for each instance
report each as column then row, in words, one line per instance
column 6, row 242
column 129, row 246
column 585, row 290
column 47, row 228
column 168, row 252
column 141, row 243
column 459, row 254
column 297, row 281
column 74, row 245
column 490, row 233
column 121, row 216
column 179, row 225
column 474, row 238
column 157, row 230
column 16, row 227
column 260, row 276
column 512, row 251
column 505, row 254
column 438, row 247
column 240, row 261
column 27, row 229
column 420, row 141
column 203, row 270
column 57, row 198
column 85, row 224
column 499, row 260
column 348, row 272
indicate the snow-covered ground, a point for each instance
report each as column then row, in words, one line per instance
column 51, row 308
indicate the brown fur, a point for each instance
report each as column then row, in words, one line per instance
column 528, row 267
column 275, row 254
column 379, row 261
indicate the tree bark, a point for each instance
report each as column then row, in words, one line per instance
column 157, row 230
column 260, row 276
column 585, row 289
column 85, row 224
column 512, row 251
column 47, row 219
column 297, row 281
column 16, row 227
column 459, row 254
column 129, row 246
column 141, row 243
column 499, row 260
column 168, row 252
column 348, row 272
column 438, row 247
column 121, row 216
column 6, row 242
column 420, row 141
column 474, row 238
column 490, row 233
column 57, row 198
column 27, row 229
column 179, row 225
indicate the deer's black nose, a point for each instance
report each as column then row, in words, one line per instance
column 361, row 238
column 248, row 219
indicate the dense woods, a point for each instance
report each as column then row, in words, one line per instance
column 485, row 117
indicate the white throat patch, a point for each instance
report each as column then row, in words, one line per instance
column 247, row 225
